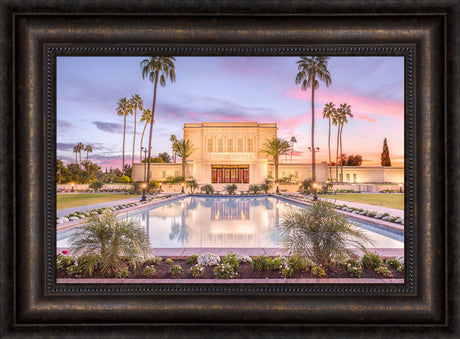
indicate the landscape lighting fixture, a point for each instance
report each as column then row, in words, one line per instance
column 144, row 197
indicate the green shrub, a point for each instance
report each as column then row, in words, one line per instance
column 169, row 261
column 153, row 260
column 276, row 263
column 224, row 271
column 384, row 271
column 88, row 263
column 400, row 268
column 299, row 263
column 355, row 271
column 207, row 189
column 260, row 262
column 148, row 271
column 192, row 260
column 371, row 260
column 196, row 271
column 266, row 185
column 96, row 186
column 122, row 273
column 254, row 189
column 231, row 259
column 286, row 270
column 393, row 263
column 123, row 179
column 73, row 270
column 175, row 270
column 318, row 271
column 231, row 189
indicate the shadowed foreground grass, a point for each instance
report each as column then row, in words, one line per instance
column 390, row 200
column 68, row 200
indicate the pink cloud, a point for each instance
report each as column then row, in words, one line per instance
column 361, row 105
column 364, row 118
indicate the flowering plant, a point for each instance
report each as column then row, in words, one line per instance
column 224, row 271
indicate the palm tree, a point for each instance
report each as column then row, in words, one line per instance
column 274, row 148
column 105, row 240
column 328, row 112
column 124, row 108
column 344, row 111
column 157, row 68
column 75, row 150
column 80, row 147
column 136, row 102
column 88, row 149
column 320, row 234
column 184, row 148
column 337, row 121
column 293, row 141
column 311, row 69
column 146, row 116
column 173, row 139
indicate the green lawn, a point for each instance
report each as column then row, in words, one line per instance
column 391, row 200
column 68, row 200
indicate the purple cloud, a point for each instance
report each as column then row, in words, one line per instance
column 109, row 127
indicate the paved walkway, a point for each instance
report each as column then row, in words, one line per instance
column 67, row 211
column 379, row 209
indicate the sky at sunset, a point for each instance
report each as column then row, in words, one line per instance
column 230, row 89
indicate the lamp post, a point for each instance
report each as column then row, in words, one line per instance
column 277, row 188
column 400, row 188
column 72, row 189
column 144, row 197
column 160, row 187
column 182, row 191
column 315, row 192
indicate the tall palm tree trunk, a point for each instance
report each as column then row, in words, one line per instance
column 142, row 138
column 134, row 140
column 151, row 126
column 183, row 167
column 337, row 155
column 124, row 134
column 313, row 150
column 341, row 153
column 292, row 149
column 276, row 169
column 329, row 148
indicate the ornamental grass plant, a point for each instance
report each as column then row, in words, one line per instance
column 105, row 241
column 320, row 234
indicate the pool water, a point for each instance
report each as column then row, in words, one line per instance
column 229, row 222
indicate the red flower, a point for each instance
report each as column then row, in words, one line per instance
column 65, row 252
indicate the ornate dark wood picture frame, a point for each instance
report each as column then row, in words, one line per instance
column 34, row 35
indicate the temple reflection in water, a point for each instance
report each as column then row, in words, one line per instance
column 214, row 222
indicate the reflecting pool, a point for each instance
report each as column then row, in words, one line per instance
column 225, row 222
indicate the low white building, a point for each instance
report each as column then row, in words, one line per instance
column 230, row 152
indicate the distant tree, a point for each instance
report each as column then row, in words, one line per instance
column 266, row 185
column 146, row 116
column 274, row 148
column 173, row 140
column 157, row 69
column 124, row 108
column 165, row 157
column 88, row 149
column 97, row 185
column 231, row 188
column 157, row 160
column 354, row 160
column 192, row 185
column 184, row 148
column 329, row 112
column 136, row 103
column 207, row 189
column 312, row 70
column 293, row 141
column 385, row 157
column 128, row 170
